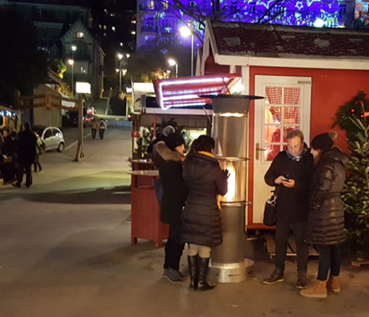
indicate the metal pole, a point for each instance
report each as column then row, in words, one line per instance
column 192, row 44
column 73, row 78
column 176, row 70
column 120, row 74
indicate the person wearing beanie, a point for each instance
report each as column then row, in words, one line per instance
column 168, row 157
column 326, row 214
column 161, row 137
column 289, row 173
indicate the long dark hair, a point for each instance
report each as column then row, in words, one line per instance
column 204, row 143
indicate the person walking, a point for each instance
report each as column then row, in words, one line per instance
column 40, row 145
column 26, row 155
column 202, row 223
column 290, row 172
column 168, row 156
column 9, row 153
column 326, row 213
column 94, row 127
column 102, row 128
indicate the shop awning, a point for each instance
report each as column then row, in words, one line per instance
column 185, row 91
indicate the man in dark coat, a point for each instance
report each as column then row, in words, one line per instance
column 9, row 150
column 26, row 154
column 168, row 157
column 289, row 173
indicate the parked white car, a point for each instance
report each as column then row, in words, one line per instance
column 52, row 137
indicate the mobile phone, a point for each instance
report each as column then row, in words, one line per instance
column 285, row 179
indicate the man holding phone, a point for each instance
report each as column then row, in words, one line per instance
column 290, row 171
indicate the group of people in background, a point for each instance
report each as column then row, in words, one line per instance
column 19, row 152
column 98, row 125
column 309, row 179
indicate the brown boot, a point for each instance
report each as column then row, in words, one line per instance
column 333, row 284
column 319, row 290
column 301, row 279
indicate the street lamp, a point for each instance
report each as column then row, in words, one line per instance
column 186, row 31
column 172, row 62
column 120, row 57
column 71, row 63
column 122, row 72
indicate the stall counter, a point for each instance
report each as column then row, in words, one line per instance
column 145, row 209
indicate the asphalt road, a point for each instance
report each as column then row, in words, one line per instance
column 65, row 252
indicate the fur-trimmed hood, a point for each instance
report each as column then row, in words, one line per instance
column 166, row 153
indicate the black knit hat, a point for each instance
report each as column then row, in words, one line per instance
column 322, row 142
column 173, row 140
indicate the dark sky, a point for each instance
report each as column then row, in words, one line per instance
column 120, row 4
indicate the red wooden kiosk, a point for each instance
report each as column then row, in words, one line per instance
column 145, row 216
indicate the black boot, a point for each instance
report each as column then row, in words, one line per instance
column 275, row 277
column 194, row 273
column 203, row 285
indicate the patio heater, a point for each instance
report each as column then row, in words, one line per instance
column 228, row 263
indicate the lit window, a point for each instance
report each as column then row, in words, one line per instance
column 113, row 28
column 150, row 5
column 121, row 44
column 165, row 5
column 133, row 21
column 99, row 26
column 80, row 35
column 112, row 14
column 133, row 32
column 105, row 27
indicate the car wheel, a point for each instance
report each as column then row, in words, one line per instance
column 61, row 147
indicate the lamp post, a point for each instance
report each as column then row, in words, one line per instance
column 172, row 62
column 120, row 57
column 187, row 31
column 122, row 72
column 71, row 63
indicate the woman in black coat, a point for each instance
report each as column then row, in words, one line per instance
column 202, row 224
column 326, row 213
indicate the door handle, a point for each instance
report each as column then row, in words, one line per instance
column 258, row 149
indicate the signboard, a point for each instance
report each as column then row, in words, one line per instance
column 83, row 88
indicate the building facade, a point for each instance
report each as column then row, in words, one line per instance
column 159, row 21
column 60, row 27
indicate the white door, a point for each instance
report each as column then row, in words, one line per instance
column 286, row 107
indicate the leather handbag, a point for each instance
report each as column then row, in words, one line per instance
column 270, row 211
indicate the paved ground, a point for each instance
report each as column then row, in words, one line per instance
column 65, row 251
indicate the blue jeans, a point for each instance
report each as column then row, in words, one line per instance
column 329, row 260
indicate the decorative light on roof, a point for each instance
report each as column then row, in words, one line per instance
column 189, row 93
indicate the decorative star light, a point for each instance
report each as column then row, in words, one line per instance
column 299, row 5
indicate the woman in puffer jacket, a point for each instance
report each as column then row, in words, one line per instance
column 202, row 224
column 326, row 213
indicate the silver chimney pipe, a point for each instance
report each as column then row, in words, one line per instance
column 230, row 135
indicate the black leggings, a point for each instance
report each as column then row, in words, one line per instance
column 329, row 260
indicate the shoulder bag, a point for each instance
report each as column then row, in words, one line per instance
column 270, row 213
